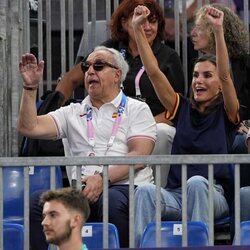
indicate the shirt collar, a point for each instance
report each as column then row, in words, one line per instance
column 116, row 101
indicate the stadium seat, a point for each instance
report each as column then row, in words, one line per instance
column 245, row 233
column 13, row 194
column 92, row 234
column 13, row 236
column 171, row 234
column 223, row 226
column 13, row 189
column 40, row 180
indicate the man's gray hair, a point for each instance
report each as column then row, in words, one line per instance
column 119, row 61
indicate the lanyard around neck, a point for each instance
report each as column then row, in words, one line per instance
column 137, row 82
column 138, row 76
column 123, row 51
column 117, row 122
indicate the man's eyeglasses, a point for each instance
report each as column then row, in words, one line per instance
column 97, row 65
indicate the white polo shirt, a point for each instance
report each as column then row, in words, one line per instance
column 137, row 122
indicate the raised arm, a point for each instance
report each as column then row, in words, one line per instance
column 29, row 124
column 215, row 17
column 162, row 87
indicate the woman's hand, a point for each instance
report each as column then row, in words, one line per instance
column 140, row 15
column 30, row 70
column 215, row 18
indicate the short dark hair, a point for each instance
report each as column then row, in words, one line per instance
column 212, row 59
column 124, row 10
column 71, row 198
column 206, row 57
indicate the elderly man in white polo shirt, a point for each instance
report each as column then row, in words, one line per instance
column 106, row 122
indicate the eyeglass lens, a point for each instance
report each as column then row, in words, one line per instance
column 97, row 66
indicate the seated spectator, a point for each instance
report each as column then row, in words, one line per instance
column 245, row 193
column 137, row 83
column 106, row 122
column 236, row 37
column 210, row 115
column 123, row 41
column 64, row 213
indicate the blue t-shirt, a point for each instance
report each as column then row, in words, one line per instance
column 198, row 133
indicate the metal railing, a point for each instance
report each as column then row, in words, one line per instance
column 158, row 160
column 63, row 17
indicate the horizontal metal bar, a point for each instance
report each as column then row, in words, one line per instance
column 130, row 160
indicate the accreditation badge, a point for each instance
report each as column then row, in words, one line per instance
column 88, row 170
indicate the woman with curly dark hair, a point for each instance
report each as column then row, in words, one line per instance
column 122, row 39
column 137, row 83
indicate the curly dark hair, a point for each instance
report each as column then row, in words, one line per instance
column 125, row 9
column 206, row 57
column 235, row 32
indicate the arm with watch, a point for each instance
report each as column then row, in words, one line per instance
column 94, row 184
column 29, row 124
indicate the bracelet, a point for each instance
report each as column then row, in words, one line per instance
column 109, row 182
column 30, row 88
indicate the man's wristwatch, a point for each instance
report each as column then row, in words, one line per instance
column 101, row 174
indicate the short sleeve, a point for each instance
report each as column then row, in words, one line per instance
column 59, row 117
column 141, row 121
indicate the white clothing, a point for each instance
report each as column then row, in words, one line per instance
column 163, row 146
column 137, row 122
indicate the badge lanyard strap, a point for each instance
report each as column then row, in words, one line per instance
column 137, row 82
column 118, row 119
column 138, row 75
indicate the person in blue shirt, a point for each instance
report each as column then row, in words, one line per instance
column 211, row 114
column 65, row 211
